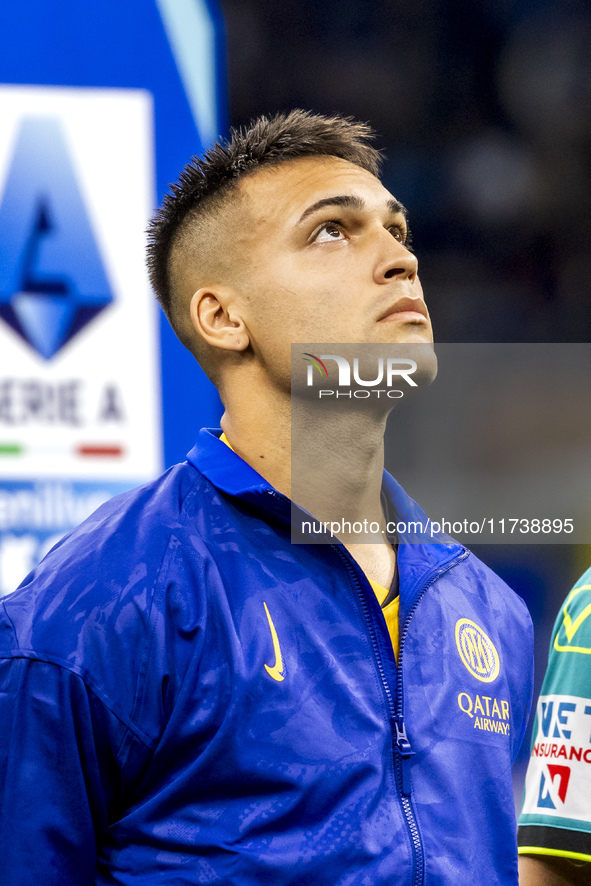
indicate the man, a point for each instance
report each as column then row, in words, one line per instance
column 188, row 696
column 555, row 822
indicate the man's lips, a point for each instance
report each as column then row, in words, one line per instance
column 405, row 309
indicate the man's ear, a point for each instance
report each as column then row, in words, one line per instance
column 217, row 319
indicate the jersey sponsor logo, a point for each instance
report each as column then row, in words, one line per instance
column 488, row 714
column 477, row 651
column 553, row 789
column 558, row 780
column 568, row 719
column 52, row 279
column 570, row 637
column 554, row 715
column 555, row 750
column 276, row 671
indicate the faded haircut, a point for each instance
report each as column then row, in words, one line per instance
column 205, row 182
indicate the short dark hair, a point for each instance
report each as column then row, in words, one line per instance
column 267, row 141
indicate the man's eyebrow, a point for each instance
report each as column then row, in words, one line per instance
column 396, row 207
column 349, row 201
column 345, row 201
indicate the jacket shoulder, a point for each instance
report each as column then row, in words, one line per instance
column 90, row 604
column 500, row 597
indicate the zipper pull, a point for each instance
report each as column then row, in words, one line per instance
column 406, row 752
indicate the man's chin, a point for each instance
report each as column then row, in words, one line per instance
column 409, row 333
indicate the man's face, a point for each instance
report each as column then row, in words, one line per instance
column 326, row 261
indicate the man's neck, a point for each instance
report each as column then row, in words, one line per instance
column 258, row 429
column 329, row 461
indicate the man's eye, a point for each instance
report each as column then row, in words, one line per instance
column 403, row 235
column 329, row 231
column 398, row 233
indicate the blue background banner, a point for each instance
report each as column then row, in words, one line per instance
column 35, row 514
column 140, row 44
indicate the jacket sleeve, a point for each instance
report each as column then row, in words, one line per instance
column 59, row 776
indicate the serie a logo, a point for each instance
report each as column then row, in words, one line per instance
column 477, row 651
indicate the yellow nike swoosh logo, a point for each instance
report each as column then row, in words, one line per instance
column 277, row 670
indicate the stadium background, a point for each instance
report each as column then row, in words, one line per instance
column 484, row 113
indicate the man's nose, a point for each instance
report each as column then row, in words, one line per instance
column 394, row 261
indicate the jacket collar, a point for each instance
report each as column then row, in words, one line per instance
column 223, row 467
column 417, row 560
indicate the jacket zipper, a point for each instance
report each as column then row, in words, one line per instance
column 396, row 711
column 403, row 744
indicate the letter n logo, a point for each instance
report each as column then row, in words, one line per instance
column 52, row 280
column 559, row 778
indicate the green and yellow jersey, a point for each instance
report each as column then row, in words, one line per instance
column 556, row 816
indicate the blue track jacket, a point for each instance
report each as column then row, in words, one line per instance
column 186, row 697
